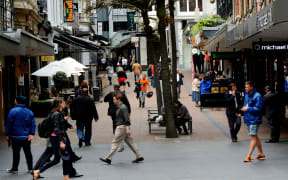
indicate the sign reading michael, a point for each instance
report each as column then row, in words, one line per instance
column 270, row 46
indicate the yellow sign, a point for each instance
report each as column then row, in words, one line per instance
column 68, row 10
column 47, row 58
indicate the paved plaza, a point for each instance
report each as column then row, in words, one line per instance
column 206, row 154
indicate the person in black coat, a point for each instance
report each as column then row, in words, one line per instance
column 271, row 108
column 182, row 116
column 83, row 110
column 112, row 107
column 233, row 113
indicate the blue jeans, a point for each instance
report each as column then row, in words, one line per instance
column 153, row 84
column 85, row 132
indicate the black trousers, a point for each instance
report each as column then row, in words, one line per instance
column 49, row 152
column 179, row 123
column 274, row 129
column 16, row 147
column 234, row 124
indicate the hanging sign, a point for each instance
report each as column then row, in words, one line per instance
column 68, row 10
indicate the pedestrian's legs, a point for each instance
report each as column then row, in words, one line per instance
column 183, row 124
column 178, row 126
column 274, row 130
column 80, row 132
column 16, row 147
column 142, row 98
column 120, row 134
column 259, row 145
column 56, row 160
column 178, row 90
column 45, row 157
column 252, row 144
column 88, row 133
column 237, row 126
column 110, row 80
column 132, row 145
column 28, row 154
column 231, row 121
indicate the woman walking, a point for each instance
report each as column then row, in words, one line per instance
column 58, row 141
column 196, row 90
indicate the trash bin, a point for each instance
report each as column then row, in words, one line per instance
column 96, row 93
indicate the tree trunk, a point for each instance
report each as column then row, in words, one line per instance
column 174, row 55
column 153, row 57
column 165, row 73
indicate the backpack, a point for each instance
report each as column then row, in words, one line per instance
column 45, row 127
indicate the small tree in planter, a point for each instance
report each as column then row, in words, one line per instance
column 60, row 81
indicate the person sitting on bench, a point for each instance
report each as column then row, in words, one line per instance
column 181, row 117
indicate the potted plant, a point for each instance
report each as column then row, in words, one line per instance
column 60, row 81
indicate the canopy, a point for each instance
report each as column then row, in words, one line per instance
column 68, row 65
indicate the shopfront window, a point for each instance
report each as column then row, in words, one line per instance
column 183, row 5
column 190, row 5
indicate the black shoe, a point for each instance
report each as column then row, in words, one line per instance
column 138, row 160
column 76, row 158
column 76, row 175
column 185, row 133
column 87, row 144
column 272, row 141
column 80, row 143
column 234, row 140
column 108, row 161
column 39, row 177
column 12, row 171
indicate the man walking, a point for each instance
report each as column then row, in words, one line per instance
column 83, row 110
column 122, row 132
column 112, row 108
column 20, row 129
column 271, row 108
column 137, row 69
column 233, row 100
column 252, row 109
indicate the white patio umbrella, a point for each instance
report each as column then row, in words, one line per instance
column 68, row 61
column 52, row 68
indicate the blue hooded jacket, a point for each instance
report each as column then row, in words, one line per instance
column 20, row 123
column 255, row 106
column 205, row 86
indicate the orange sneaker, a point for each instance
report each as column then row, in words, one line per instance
column 247, row 159
column 259, row 156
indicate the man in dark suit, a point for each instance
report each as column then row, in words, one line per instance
column 83, row 110
column 234, row 103
column 271, row 108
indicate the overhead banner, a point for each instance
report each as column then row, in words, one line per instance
column 130, row 21
column 68, row 10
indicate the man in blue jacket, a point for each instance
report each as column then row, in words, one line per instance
column 20, row 129
column 253, row 105
column 205, row 85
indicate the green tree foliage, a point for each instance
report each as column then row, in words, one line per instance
column 60, row 81
column 206, row 22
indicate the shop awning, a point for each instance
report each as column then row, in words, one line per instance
column 21, row 43
column 84, row 43
column 269, row 24
column 123, row 43
column 218, row 41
